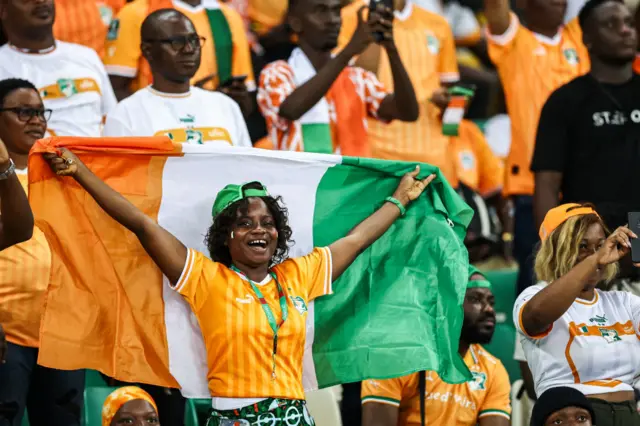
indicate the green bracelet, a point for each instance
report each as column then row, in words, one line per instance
column 403, row 210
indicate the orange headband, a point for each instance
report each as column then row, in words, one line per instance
column 118, row 398
column 558, row 215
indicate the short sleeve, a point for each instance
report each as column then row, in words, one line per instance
column 521, row 301
column 497, row 401
column 552, row 136
column 117, row 124
column 499, row 46
column 370, row 89
column 196, row 278
column 313, row 270
column 241, row 60
column 388, row 391
column 518, row 352
column 489, row 166
column 276, row 84
column 447, row 60
column 123, row 42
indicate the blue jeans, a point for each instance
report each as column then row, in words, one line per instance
column 525, row 240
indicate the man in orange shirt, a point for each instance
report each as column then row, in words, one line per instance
column 532, row 62
column 426, row 45
column 483, row 401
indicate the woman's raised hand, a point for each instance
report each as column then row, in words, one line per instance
column 410, row 188
column 63, row 163
column 616, row 246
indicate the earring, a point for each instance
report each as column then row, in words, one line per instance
column 232, row 235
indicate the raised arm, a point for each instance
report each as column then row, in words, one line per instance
column 548, row 305
column 498, row 16
column 16, row 219
column 402, row 104
column 168, row 253
column 306, row 96
column 345, row 250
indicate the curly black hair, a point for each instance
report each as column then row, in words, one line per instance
column 223, row 223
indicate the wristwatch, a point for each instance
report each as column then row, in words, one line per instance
column 10, row 170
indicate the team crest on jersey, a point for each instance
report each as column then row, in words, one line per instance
column 299, row 304
column 114, row 30
column 67, row 87
column 571, row 55
column 194, row 137
column 479, row 381
column 433, row 44
column 611, row 336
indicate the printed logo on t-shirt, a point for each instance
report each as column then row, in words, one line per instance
column 114, row 30
column 614, row 118
column 611, row 336
column 478, row 382
column 433, row 44
column 188, row 119
column 67, row 87
column 571, row 55
column 197, row 135
column 299, row 304
column 600, row 319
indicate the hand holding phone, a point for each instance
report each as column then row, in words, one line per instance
column 634, row 226
column 376, row 9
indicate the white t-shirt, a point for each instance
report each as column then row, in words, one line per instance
column 197, row 117
column 594, row 347
column 72, row 82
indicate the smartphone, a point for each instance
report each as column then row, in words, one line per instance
column 634, row 225
column 373, row 5
column 233, row 79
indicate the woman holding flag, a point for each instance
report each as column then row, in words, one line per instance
column 250, row 300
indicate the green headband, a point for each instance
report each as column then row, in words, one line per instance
column 232, row 193
column 477, row 283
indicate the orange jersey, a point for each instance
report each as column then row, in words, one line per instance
column 24, row 269
column 124, row 57
column 476, row 165
column 266, row 14
column 488, row 394
column 426, row 45
column 531, row 67
column 85, row 21
column 237, row 335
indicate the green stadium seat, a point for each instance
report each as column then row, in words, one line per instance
column 93, row 379
column 504, row 338
column 191, row 414
column 25, row 419
column 94, row 397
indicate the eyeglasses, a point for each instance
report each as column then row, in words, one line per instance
column 26, row 114
column 178, row 43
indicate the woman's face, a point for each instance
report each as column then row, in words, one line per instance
column 593, row 239
column 137, row 412
column 255, row 238
column 569, row 416
column 21, row 122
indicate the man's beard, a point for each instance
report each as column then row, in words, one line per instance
column 470, row 334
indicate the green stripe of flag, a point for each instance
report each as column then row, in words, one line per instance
column 494, row 412
column 402, row 297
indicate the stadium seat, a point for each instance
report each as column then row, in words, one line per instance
column 323, row 406
column 503, row 343
column 93, row 379
column 94, row 397
column 191, row 414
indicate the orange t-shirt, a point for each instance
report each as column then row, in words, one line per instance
column 531, row 67
column 427, row 48
column 476, row 165
column 488, row 394
column 24, row 269
column 236, row 332
column 85, row 21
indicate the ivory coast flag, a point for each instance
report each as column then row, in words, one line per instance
column 396, row 310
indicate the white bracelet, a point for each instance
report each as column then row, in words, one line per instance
column 12, row 168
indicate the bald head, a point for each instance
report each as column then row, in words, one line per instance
column 155, row 24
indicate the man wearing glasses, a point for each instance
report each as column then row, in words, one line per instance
column 70, row 78
column 170, row 106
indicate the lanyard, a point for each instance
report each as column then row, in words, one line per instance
column 269, row 313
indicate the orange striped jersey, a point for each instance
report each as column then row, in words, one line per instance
column 426, row 45
column 24, row 278
column 462, row 404
column 476, row 165
column 124, row 58
column 593, row 347
column 531, row 66
column 236, row 332
column 85, row 21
